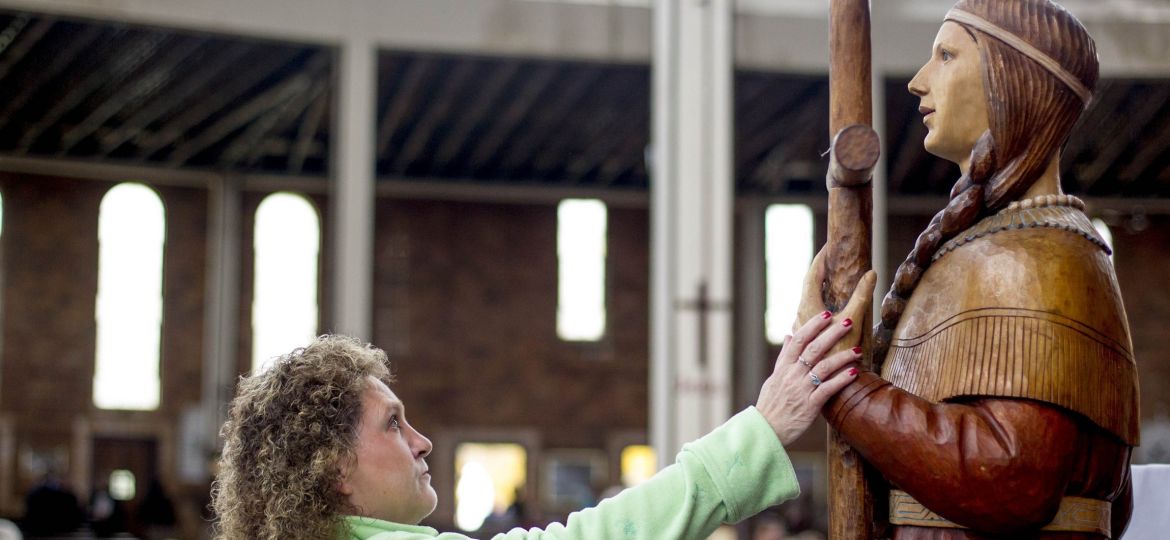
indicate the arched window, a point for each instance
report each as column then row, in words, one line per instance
column 581, row 239
column 788, row 251
column 284, row 301
column 131, row 233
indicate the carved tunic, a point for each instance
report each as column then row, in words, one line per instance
column 1009, row 385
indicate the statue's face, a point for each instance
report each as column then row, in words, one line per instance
column 954, row 104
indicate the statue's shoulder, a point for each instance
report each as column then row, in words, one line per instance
column 1046, row 259
column 1026, row 256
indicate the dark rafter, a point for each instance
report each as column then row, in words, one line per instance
column 1110, row 96
column 283, row 118
column 438, row 110
column 241, row 116
column 1152, row 147
column 605, row 133
column 546, row 128
column 764, row 174
column 22, row 42
column 630, row 152
column 512, row 116
column 762, row 131
column 401, row 101
column 306, row 134
column 451, row 145
column 44, row 74
column 148, row 84
column 130, row 58
column 175, row 97
column 232, row 91
column 1126, row 136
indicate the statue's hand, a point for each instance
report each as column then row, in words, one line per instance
column 811, row 302
column 859, row 304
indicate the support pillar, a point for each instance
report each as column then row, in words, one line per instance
column 221, row 320
column 692, row 195
column 352, row 187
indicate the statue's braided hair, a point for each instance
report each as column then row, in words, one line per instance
column 1030, row 115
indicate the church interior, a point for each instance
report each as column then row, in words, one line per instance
column 188, row 189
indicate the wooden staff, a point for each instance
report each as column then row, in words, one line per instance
column 853, row 154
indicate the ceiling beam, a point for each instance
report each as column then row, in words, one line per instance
column 488, row 146
column 241, row 116
column 127, row 60
column 437, row 108
column 307, row 133
column 417, row 73
column 451, row 145
column 541, row 129
column 175, row 97
column 159, row 74
column 42, row 76
column 23, row 41
column 232, row 90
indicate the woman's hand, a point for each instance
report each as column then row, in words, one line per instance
column 808, row 372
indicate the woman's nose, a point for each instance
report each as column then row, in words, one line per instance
column 423, row 446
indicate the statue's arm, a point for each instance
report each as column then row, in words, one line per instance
column 994, row 463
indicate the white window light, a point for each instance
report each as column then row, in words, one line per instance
column 788, row 252
column 131, row 234
column 284, row 300
column 488, row 478
column 1105, row 233
column 581, row 251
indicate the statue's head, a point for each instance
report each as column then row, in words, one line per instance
column 1021, row 70
column 1006, row 81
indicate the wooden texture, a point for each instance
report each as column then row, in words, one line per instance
column 851, row 501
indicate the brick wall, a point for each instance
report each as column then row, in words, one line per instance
column 465, row 303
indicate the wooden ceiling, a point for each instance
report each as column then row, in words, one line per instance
column 116, row 93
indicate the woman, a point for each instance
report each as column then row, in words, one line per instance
column 1007, row 404
column 319, row 447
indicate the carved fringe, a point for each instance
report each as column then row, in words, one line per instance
column 1022, row 354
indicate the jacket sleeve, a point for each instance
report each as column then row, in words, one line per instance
column 994, row 463
column 732, row 473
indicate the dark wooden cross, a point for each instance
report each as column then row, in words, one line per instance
column 703, row 305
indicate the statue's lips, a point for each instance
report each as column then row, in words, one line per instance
column 925, row 112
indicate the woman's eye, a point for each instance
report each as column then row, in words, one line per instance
column 947, row 56
column 394, row 422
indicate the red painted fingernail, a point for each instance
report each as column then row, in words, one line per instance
column 826, row 314
column 857, row 350
column 852, row 372
column 847, row 323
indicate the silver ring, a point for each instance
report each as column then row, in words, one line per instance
column 804, row 362
column 815, row 380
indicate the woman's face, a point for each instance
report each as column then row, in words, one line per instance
column 953, row 104
column 390, row 479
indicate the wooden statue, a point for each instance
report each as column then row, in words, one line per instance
column 1007, row 401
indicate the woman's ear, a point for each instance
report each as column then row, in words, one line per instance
column 343, row 486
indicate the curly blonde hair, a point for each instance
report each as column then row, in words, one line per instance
column 290, row 434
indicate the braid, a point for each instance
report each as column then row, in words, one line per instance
column 1030, row 113
column 966, row 206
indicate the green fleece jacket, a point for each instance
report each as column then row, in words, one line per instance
column 728, row 475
